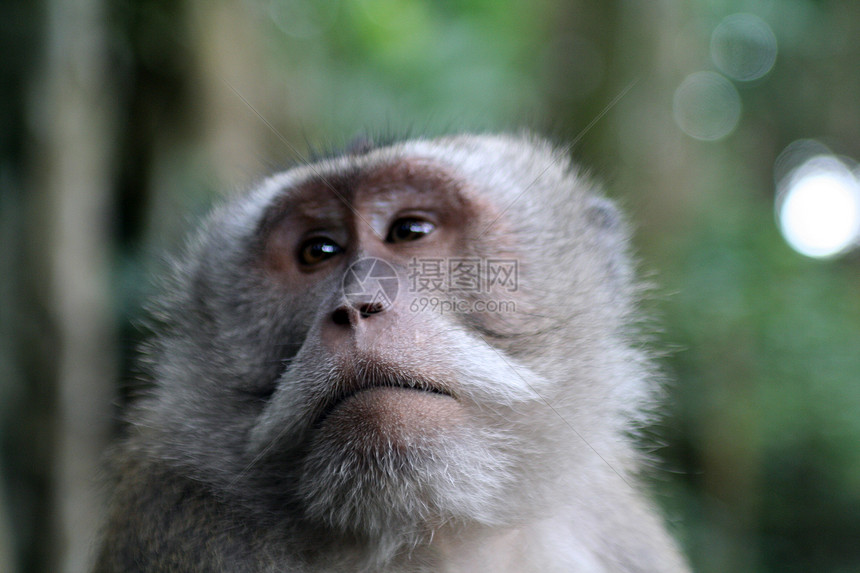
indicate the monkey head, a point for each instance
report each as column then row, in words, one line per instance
column 431, row 332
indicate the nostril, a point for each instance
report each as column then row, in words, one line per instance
column 370, row 308
column 346, row 315
column 340, row 316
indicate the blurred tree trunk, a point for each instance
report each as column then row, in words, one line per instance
column 71, row 156
column 6, row 557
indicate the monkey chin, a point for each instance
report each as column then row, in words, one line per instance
column 393, row 462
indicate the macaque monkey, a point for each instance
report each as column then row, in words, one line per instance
column 418, row 357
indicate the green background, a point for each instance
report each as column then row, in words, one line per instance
column 121, row 120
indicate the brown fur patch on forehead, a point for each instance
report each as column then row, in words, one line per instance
column 466, row 202
column 305, row 197
column 422, row 177
column 410, row 169
column 416, row 175
column 412, row 174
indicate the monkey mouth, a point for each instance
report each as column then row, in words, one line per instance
column 346, row 389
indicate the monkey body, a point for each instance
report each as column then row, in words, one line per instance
column 419, row 357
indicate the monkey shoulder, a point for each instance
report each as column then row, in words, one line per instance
column 160, row 520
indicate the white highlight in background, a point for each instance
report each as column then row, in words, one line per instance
column 743, row 47
column 706, row 106
column 818, row 207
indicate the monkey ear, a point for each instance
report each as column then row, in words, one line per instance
column 603, row 214
column 610, row 234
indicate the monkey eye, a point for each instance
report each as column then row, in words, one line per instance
column 409, row 229
column 318, row 249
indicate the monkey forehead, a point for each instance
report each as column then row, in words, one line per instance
column 328, row 199
column 491, row 170
column 523, row 168
column 506, row 164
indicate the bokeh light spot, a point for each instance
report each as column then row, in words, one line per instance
column 706, row 106
column 743, row 47
column 819, row 207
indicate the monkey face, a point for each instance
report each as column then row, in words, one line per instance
column 329, row 359
column 391, row 409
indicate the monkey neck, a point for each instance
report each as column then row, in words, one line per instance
column 482, row 549
column 467, row 548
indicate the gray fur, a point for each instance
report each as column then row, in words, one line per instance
column 224, row 470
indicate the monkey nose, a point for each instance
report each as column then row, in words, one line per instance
column 369, row 308
column 344, row 315
column 349, row 314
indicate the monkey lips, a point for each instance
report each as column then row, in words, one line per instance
column 388, row 414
